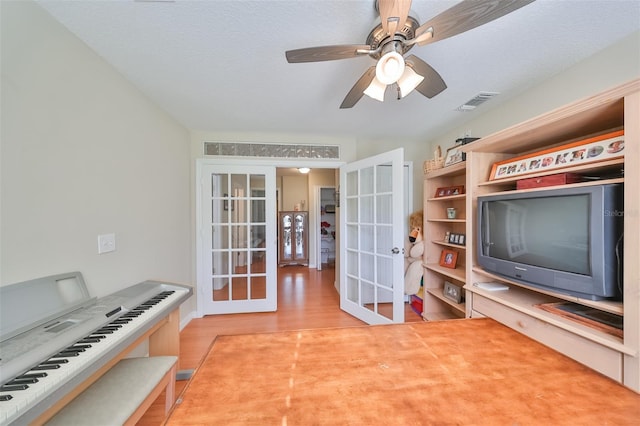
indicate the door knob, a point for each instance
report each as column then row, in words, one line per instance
column 395, row 250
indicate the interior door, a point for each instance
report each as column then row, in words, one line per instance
column 371, row 238
column 237, row 224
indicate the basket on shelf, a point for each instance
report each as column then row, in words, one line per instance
column 436, row 163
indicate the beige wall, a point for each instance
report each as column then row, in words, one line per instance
column 85, row 153
column 295, row 192
column 610, row 67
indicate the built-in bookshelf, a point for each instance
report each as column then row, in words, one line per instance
column 436, row 226
column 617, row 357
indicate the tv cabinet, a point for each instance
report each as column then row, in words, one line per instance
column 618, row 108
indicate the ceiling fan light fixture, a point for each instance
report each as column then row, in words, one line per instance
column 409, row 81
column 376, row 90
column 390, row 68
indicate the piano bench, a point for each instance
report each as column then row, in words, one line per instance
column 123, row 394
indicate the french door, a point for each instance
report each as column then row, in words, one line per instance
column 237, row 239
column 371, row 238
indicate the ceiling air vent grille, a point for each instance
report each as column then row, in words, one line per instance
column 476, row 101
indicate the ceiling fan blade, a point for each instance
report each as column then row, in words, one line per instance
column 327, row 53
column 393, row 14
column 357, row 91
column 432, row 83
column 465, row 16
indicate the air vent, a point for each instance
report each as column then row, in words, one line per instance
column 477, row 100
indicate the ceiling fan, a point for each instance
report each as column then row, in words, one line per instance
column 396, row 34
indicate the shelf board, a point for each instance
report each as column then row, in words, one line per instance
column 453, row 170
column 617, row 162
column 442, row 243
column 456, row 274
column 525, row 301
column 612, row 307
column 448, row 198
column 448, row 220
column 437, row 293
column 439, row 316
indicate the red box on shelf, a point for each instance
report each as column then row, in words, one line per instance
column 416, row 304
column 550, row 180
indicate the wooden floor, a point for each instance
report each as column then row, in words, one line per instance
column 307, row 299
column 456, row 372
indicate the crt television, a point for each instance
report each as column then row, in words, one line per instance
column 566, row 240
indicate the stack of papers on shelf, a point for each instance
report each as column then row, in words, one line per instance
column 491, row 286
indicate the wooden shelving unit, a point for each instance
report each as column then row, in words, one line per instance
column 614, row 356
column 436, row 225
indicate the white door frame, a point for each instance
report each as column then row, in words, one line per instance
column 317, row 218
column 200, row 164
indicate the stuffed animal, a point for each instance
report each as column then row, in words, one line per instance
column 413, row 250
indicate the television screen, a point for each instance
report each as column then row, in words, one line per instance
column 567, row 239
column 549, row 232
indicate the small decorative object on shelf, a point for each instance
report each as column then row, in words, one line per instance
column 448, row 258
column 447, row 237
column 452, row 213
column 456, row 239
column 436, row 163
column 452, row 292
column 598, row 148
column 447, row 191
column 454, row 155
column 550, row 180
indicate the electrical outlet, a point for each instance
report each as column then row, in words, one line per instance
column 106, row 243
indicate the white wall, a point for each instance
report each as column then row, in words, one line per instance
column 85, row 153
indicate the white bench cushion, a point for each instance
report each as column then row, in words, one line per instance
column 115, row 396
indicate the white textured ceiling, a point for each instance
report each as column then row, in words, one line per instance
column 219, row 66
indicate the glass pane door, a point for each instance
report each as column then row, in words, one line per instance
column 239, row 241
column 371, row 275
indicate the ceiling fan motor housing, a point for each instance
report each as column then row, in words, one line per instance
column 378, row 38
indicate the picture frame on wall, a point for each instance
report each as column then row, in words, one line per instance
column 448, row 258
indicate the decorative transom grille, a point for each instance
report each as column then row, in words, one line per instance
column 329, row 152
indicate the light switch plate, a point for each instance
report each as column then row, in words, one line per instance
column 106, row 243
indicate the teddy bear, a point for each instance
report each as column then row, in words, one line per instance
column 413, row 250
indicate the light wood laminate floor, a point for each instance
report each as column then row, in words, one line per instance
column 307, row 299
